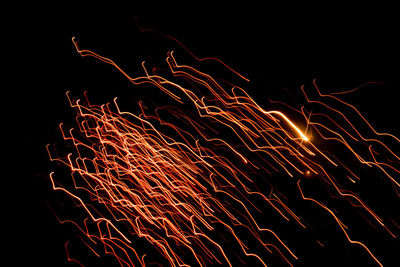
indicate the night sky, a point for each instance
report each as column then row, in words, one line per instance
column 278, row 52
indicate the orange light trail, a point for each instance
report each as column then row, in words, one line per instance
column 154, row 186
column 176, row 190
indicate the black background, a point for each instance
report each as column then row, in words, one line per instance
column 277, row 51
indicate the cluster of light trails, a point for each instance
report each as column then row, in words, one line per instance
column 176, row 191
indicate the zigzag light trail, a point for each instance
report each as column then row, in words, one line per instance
column 171, row 176
column 175, row 190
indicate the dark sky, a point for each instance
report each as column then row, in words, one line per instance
column 277, row 51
